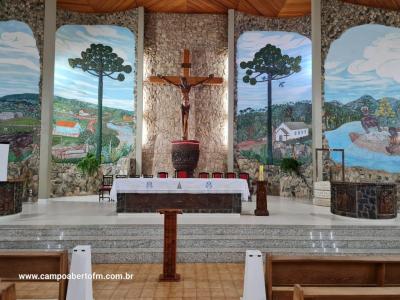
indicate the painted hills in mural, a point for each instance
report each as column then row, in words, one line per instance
column 74, row 127
column 19, row 119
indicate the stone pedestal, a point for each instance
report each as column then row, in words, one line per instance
column 322, row 193
column 170, row 237
column 261, row 208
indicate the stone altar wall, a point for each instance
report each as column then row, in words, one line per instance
column 32, row 13
column 288, row 185
column 66, row 179
column 166, row 35
column 337, row 17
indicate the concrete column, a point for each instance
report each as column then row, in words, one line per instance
column 231, row 86
column 139, row 86
column 316, row 84
column 47, row 97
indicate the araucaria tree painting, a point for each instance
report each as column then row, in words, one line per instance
column 100, row 61
column 270, row 64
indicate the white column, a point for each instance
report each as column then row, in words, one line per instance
column 47, row 97
column 139, row 86
column 231, row 85
column 316, row 83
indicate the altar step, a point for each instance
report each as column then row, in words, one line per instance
column 203, row 243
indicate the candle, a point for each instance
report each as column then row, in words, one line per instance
column 261, row 173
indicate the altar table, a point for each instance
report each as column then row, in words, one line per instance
column 192, row 195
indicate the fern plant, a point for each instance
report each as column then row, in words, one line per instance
column 89, row 165
column 289, row 165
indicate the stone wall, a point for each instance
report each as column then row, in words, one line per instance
column 337, row 17
column 66, row 179
column 32, row 13
column 288, row 185
column 166, row 35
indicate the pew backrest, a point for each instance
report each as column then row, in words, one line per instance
column 358, row 271
column 7, row 291
column 40, row 263
column 348, row 293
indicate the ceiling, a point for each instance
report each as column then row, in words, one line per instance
column 268, row 8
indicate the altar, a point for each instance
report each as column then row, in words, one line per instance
column 192, row 195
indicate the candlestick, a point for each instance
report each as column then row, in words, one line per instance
column 261, row 173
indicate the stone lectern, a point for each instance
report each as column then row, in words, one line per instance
column 261, row 209
column 170, row 237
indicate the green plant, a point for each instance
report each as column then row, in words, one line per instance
column 89, row 165
column 268, row 65
column 290, row 165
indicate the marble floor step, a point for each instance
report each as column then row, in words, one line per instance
column 205, row 242
column 220, row 230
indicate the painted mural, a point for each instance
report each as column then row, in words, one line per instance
column 362, row 97
column 274, row 97
column 94, row 93
column 19, row 97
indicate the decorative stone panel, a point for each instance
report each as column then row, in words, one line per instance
column 166, row 35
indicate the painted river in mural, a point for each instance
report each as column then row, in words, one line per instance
column 359, row 155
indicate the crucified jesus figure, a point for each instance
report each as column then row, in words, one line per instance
column 185, row 106
column 185, row 82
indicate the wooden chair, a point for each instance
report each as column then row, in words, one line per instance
column 217, row 175
column 12, row 264
column 106, row 186
column 181, row 174
column 148, row 176
column 230, row 175
column 204, row 175
column 283, row 272
column 246, row 176
column 121, row 176
column 7, row 291
column 348, row 293
column 162, row 174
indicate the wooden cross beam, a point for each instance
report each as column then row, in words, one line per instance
column 191, row 80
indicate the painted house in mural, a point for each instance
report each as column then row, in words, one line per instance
column 291, row 131
column 10, row 115
column 67, row 128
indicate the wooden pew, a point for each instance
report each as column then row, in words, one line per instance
column 283, row 272
column 7, row 291
column 347, row 293
column 12, row 264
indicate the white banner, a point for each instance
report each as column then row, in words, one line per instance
column 4, row 148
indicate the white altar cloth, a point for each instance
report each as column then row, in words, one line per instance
column 180, row 185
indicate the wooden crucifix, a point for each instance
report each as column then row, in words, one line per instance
column 185, row 82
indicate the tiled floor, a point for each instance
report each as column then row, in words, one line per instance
column 199, row 281
column 86, row 210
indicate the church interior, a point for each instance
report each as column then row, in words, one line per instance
column 199, row 149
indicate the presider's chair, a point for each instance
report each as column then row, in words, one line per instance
column 181, row 174
column 204, row 175
column 217, row 175
column 230, row 175
column 106, row 186
column 162, row 174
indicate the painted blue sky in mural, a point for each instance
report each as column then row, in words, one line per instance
column 70, row 83
column 19, row 59
column 365, row 60
column 296, row 87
